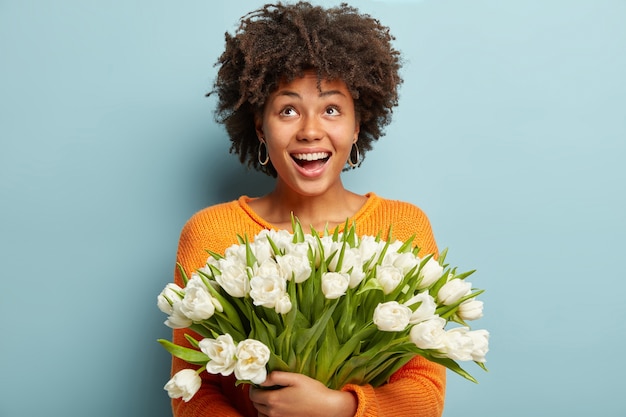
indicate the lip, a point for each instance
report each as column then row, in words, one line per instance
column 315, row 154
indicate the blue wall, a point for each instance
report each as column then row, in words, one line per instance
column 511, row 134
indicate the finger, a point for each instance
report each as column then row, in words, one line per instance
column 256, row 395
column 283, row 379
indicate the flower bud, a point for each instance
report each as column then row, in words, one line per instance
column 453, row 290
column 183, row 384
column 470, row 310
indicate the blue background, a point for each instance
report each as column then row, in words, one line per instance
column 511, row 135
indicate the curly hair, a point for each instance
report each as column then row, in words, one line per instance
column 278, row 42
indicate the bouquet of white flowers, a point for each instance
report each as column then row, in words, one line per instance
column 337, row 307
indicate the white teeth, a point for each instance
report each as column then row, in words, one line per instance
column 311, row 156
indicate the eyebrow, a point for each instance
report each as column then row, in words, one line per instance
column 326, row 93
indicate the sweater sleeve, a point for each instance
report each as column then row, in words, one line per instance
column 417, row 389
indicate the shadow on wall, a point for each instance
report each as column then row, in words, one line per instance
column 241, row 181
column 218, row 176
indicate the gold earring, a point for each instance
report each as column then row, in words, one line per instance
column 354, row 164
column 262, row 161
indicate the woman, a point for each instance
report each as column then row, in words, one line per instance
column 303, row 92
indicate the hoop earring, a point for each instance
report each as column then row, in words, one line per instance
column 354, row 164
column 265, row 161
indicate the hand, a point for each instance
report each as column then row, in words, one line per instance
column 300, row 395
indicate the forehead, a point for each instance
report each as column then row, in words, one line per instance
column 311, row 83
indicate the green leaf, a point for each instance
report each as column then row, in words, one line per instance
column 306, row 341
column 383, row 252
column 250, row 258
column 193, row 342
column 341, row 255
column 448, row 311
column 344, row 317
column 453, row 366
column 192, row 356
column 276, row 363
column 327, row 351
column 351, row 372
column 447, row 362
column 352, row 345
column 407, row 245
column 370, row 284
column 442, row 256
column 298, row 233
column 350, row 235
column 227, row 326
column 274, row 247
column 215, row 254
column 204, row 329
column 381, row 371
column 464, row 275
column 390, row 234
column 227, row 306
column 183, row 274
column 306, row 338
column 434, row 289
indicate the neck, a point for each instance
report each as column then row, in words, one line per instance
column 330, row 209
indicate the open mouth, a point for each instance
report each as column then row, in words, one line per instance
column 311, row 161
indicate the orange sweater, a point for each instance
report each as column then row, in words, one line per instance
column 417, row 389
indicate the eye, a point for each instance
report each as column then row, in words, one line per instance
column 332, row 111
column 288, row 111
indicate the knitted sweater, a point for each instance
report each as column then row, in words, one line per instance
column 417, row 389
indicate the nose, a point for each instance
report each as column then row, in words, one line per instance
column 311, row 129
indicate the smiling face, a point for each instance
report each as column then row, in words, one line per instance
column 309, row 132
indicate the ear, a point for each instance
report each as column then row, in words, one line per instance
column 258, row 126
column 357, row 130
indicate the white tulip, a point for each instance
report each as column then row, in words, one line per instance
column 283, row 304
column 267, row 290
column 425, row 311
column 281, row 238
column 391, row 316
column 328, row 247
column 480, row 339
column 252, row 356
column 183, row 384
column 221, row 352
column 405, row 262
column 369, row 248
column 453, row 290
column 458, row 344
column 335, row 284
column 262, row 250
column 351, row 261
column 430, row 273
column 169, row 295
column 235, row 253
column 294, row 266
column 470, row 309
column 178, row 320
column 389, row 277
column 197, row 304
column 392, row 252
column 233, row 278
column 429, row 334
column 268, row 268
